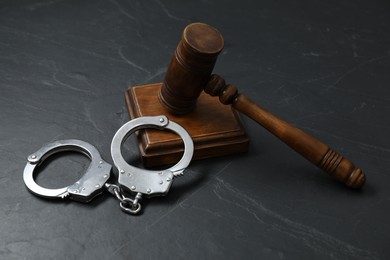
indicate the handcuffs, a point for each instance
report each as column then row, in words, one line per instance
column 131, row 180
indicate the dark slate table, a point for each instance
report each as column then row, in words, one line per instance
column 321, row 65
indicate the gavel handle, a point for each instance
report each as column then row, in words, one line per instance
column 306, row 145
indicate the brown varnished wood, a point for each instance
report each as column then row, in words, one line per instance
column 216, row 129
column 190, row 67
column 306, row 145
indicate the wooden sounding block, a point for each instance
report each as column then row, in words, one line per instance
column 216, row 129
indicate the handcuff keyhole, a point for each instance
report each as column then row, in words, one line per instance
column 61, row 169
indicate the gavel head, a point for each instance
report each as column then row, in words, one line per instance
column 190, row 67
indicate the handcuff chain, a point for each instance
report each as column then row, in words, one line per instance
column 128, row 205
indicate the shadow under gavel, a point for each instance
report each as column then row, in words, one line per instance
column 309, row 147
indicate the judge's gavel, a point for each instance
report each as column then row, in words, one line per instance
column 189, row 74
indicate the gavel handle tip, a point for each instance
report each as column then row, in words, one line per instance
column 339, row 167
column 356, row 180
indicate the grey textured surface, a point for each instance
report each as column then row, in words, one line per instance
column 321, row 65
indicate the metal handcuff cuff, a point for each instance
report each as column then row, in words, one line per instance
column 131, row 180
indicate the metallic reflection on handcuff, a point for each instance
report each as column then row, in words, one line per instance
column 131, row 180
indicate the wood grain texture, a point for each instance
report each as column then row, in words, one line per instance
column 309, row 147
column 216, row 130
column 190, row 67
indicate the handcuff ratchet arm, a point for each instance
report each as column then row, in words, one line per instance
column 147, row 182
column 86, row 188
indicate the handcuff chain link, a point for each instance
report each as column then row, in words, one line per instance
column 128, row 205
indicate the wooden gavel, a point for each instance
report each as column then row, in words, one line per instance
column 309, row 147
column 189, row 74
